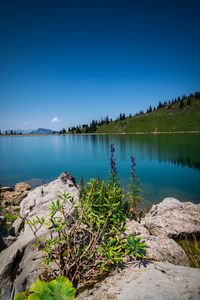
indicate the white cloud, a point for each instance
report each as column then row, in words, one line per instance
column 55, row 120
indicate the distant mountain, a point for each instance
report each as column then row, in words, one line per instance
column 28, row 131
column 23, row 131
column 17, row 131
column 42, row 131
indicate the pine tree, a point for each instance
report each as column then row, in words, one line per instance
column 189, row 101
column 181, row 104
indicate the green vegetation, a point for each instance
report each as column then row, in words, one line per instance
column 60, row 288
column 181, row 114
column 191, row 246
column 88, row 237
column 90, row 244
column 11, row 217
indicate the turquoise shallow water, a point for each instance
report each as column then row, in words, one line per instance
column 166, row 165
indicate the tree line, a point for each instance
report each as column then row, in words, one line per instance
column 94, row 124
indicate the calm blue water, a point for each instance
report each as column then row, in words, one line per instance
column 166, row 165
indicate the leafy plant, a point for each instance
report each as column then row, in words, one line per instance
column 135, row 247
column 60, row 288
column 87, row 238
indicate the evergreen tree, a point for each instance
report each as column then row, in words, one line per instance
column 189, row 101
column 181, row 104
column 63, row 131
column 106, row 120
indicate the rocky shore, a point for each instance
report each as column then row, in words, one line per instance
column 166, row 275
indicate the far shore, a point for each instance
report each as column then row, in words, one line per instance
column 105, row 133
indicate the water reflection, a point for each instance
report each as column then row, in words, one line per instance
column 160, row 160
column 180, row 149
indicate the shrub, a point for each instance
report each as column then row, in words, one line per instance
column 88, row 245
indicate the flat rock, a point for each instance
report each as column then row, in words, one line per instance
column 158, row 281
column 17, row 255
column 172, row 218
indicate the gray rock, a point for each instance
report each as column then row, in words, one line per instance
column 158, row 281
column 159, row 248
column 9, row 240
column 135, row 228
column 17, row 255
column 29, row 269
column 165, row 249
column 172, row 218
column 17, row 226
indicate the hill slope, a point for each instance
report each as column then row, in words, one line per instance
column 169, row 118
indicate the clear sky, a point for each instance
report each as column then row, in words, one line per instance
column 63, row 63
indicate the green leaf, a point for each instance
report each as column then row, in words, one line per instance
column 60, row 288
column 21, row 296
column 39, row 286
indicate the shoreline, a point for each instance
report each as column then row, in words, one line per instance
column 106, row 133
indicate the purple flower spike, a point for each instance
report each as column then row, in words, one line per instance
column 133, row 164
column 113, row 169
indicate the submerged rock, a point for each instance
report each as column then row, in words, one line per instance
column 20, row 262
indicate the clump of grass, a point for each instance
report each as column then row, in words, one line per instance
column 191, row 245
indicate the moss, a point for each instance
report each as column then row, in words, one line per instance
column 191, row 245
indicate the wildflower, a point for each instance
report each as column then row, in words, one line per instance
column 113, row 169
column 133, row 164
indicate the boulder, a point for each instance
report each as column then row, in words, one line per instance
column 20, row 259
column 155, row 281
column 135, row 228
column 171, row 218
column 9, row 196
column 22, row 187
column 165, row 249
column 159, row 248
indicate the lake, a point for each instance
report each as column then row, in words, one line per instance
column 166, row 165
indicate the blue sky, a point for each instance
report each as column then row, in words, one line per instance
column 72, row 61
